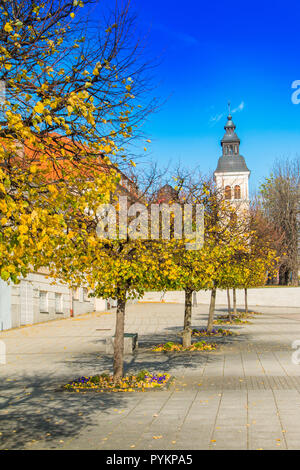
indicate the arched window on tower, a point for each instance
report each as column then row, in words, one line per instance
column 227, row 192
column 237, row 192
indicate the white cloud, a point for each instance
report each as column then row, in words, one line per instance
column 183, row 37
column 239, row 108
column 217, row 117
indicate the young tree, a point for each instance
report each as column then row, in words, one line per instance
column 120, row 269
column 110, row 250
column 256, row 266
column 192, row 268
column 252, row 259
column 280, row 201
column 229, row 304
column 250, row 266
column 202, row 268
column 189, row 264
column 228, row 241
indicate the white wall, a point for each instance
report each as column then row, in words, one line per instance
column 26, row 300
column 20, row 304
column 100, row 305
column 5, row 306
column 264, row 297
column 232, row 179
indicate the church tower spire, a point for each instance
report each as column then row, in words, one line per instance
column 232, row 173
column 230, row 142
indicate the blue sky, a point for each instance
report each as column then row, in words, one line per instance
column 215, row 51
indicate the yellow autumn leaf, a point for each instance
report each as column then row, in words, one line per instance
column 33, row 169
column 39, row 107
column 48, row 120
column 23, row 229
column 8, row 28
column 107, row 149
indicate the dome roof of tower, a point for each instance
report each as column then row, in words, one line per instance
column 230, row 122
column 231, row 163
column 230, row 138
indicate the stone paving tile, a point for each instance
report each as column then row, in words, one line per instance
column 246, row 395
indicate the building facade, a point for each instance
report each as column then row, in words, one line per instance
column 38, row 299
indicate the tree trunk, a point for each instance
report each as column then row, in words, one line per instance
column 119, row 340
column 234, row 301
column 187, row 334
column 195, row 304
column 246, row 301
column 283, row 275
column 229, row 306
column 295, row 280
column 211, row 313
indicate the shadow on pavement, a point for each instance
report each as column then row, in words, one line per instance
column 30, row 412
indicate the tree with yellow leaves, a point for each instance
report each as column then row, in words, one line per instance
column 68, row 105
column 251, row 261
column 223, row 239
column 118, row 268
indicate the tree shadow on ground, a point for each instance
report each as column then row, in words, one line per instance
column 239, row 310
column 169, row 362
column 174, row 334
column 145, row 358
column 30, row 412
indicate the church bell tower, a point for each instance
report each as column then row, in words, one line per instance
column 232, row 173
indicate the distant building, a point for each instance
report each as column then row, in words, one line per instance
column 166, row 194
column 232, row 173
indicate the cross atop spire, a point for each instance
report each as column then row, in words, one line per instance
column 229, row 104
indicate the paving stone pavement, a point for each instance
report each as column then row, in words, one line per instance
column 244, row 395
